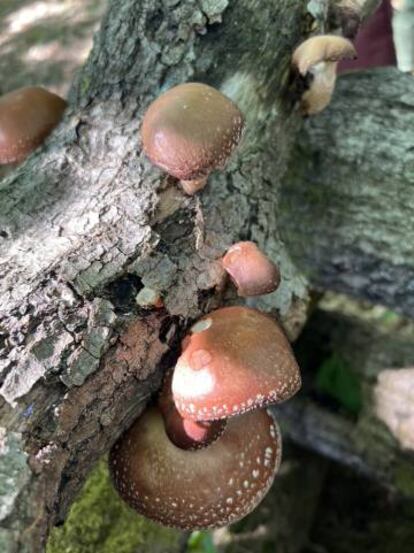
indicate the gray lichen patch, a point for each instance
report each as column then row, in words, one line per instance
column 14, row 472
column 214, row 9
column 85, row 359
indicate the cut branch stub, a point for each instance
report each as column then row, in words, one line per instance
column 27, row 116
column 212, row 487
column 191, row 130
column 234, row 360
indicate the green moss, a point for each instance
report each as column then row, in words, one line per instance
column 404, row 478
column 336, row 379
column 99, row 522
column 201, row 542
column 84, row 85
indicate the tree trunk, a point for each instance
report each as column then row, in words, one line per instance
column 87, row 222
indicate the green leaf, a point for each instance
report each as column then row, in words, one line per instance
column 201, row 542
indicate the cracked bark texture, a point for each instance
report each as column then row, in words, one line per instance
column 87, row 222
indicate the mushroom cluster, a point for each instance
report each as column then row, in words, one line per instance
column 315, row 61
column 27, row 116
column 207, row 453
column 189, row 131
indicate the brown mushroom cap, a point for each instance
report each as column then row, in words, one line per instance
column 190, row 130
column 322, row 48
column 211, row 487
column 183, row 432
column 27, row 116
column 235, row 359
column 251, row 270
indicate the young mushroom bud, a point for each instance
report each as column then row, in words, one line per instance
column 234, row 360
column 251, row 271
column 189, row 131
column 316, row 60
column 211, row 487
column 147, row 298
column 27, row 116
column 184, row 432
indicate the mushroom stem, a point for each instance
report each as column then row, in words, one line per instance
column 190, row 187
column 319, row 95
column 184, row 432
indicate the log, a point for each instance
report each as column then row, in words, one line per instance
column 87, row 222
column 350, row 185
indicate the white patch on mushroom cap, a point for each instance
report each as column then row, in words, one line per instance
column 187, row 382
column 199, row 326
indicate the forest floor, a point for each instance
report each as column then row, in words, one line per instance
column 43, row 42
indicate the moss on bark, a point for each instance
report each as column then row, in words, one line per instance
column 99, row 522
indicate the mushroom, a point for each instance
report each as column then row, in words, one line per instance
column 27, row 116
column 147, row 298
column 316, row 59
column 189, row 131
column 184, row 432
column 251, row 270
column 211, row 487
column 234, row 360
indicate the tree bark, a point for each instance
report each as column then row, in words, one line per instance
column 350, row 185
column 87, row 222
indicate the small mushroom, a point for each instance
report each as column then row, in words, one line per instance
column 147, row 298
column 235, row 359
column 211, row 487
column 184, row 432
column 189, row 131
column 27, row 116
column 251, row 270
column 316, row 60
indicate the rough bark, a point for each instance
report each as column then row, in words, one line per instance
column 350, row 187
